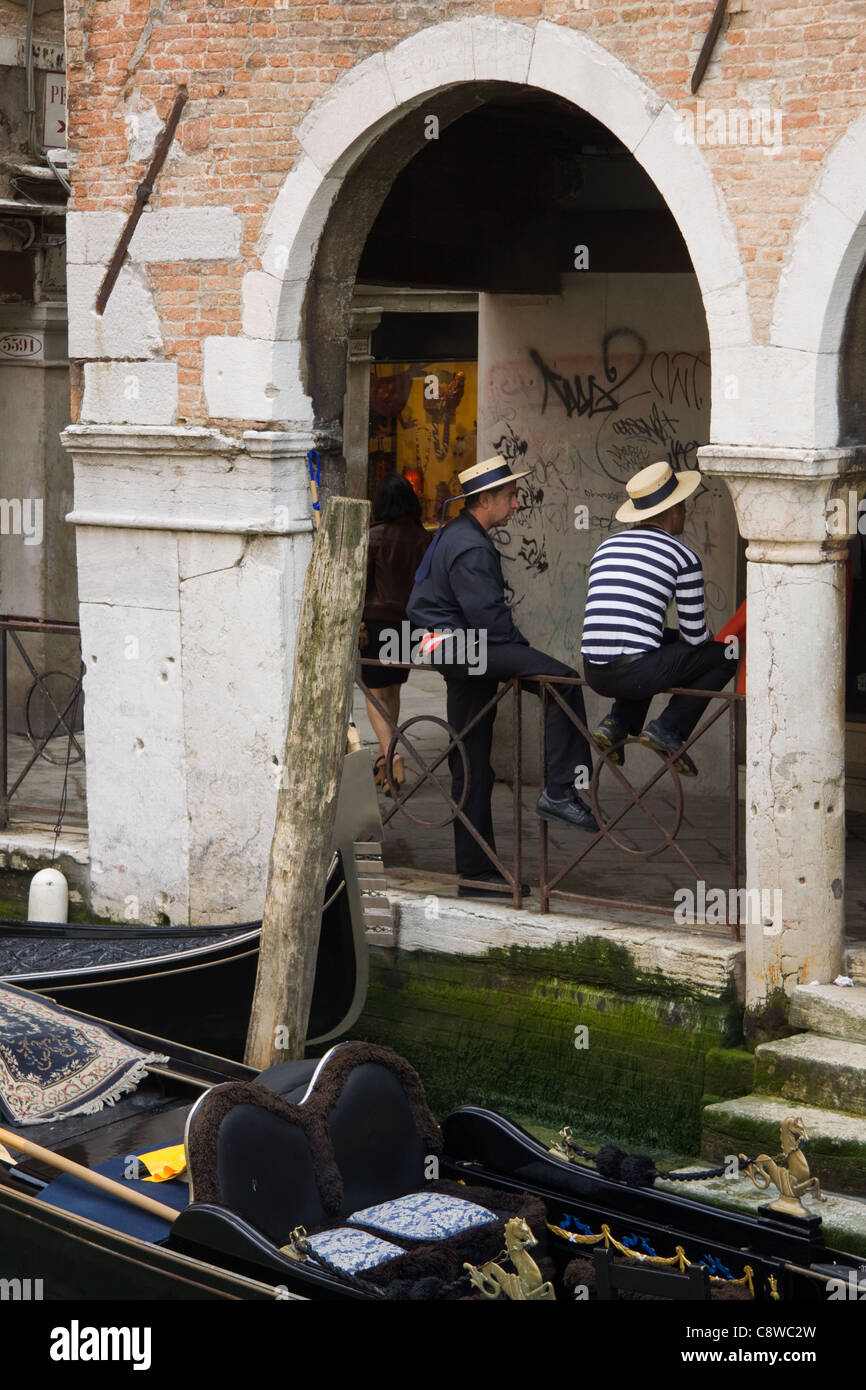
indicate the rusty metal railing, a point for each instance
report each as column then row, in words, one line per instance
column 63, row 715
column 549, row 881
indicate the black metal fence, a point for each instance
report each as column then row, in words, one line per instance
column 424, row 774
column 49, row 708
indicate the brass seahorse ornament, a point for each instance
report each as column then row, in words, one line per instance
column 524, row 1286
column 788, row 1171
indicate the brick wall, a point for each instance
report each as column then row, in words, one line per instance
column 253, row 72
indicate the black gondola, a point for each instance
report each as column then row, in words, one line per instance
column 149, row 976
column 195, row 984
column 313, row 1145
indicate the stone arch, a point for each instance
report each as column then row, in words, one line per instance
column 261, row 375
column 818, row 283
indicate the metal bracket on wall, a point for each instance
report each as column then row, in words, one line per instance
column 142, row 194
column 709, row 44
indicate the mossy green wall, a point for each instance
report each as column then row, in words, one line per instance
column 499, row 1030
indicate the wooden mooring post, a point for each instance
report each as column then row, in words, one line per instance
column 312, row 764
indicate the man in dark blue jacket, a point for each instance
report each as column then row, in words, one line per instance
column 459, row 588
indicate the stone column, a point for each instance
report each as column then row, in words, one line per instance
column 192, row 550
column 790, row 506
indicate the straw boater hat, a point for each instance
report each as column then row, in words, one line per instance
column 656, row 488
column 492, row 473
column 481, row 477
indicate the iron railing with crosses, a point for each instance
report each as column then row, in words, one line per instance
column 421, row 772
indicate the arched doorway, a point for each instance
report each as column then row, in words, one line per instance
column 606, row 262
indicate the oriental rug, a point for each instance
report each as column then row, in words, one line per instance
column 54, row 1063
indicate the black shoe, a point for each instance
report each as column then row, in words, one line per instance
column 665, row 742
column 499, row 887
column 607, row 735
column 571, row 811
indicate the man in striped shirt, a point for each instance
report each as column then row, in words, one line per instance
column 628, row 652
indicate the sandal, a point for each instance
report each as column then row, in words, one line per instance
column 398, row 774
column 379, row 771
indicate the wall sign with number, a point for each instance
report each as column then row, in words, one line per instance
column 54, row 120
column 18, row 346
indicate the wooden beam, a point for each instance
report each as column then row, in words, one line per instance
column 325, row 660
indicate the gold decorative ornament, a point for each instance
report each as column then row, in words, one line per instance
column 680, row 1259
column 788, row 1172
column 524, row 1286
column 298, row 1247
column 562, row 1150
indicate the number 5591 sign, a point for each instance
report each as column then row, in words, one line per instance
column 17, row 346
column 54, row 124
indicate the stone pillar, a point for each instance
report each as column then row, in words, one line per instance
column 789, row 504
column 192, row 550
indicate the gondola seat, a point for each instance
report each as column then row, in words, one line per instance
column 355, row 1163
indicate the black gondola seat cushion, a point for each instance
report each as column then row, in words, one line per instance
column 352, row 1165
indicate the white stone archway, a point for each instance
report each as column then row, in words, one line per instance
column 825, row 256
column 259, row 375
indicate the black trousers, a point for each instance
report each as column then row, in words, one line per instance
column 632, row 686
column 566, row 747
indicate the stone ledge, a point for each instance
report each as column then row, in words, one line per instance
column 631, row 958
column 26, row 849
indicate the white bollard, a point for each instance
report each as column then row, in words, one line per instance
column 49, row 897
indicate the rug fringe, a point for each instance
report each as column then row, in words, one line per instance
column 131, row 1078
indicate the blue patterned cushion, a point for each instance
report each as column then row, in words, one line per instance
column 423, row 1216
column 353, row 1250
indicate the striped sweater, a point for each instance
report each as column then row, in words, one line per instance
column 632, row 579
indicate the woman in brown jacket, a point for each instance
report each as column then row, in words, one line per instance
column 397, row 542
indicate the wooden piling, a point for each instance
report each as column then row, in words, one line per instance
column 321, row 700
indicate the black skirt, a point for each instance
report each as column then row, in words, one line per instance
column 379, row 677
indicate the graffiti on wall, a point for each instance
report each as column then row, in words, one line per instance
column 583, row 433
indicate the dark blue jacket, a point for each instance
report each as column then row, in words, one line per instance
column 465, row 587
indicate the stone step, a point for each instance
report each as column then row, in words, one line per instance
column 832, row 1010
column 835, row 1149
column 813, row 1070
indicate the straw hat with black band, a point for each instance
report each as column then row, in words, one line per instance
column 481, row 477
column 656, row 488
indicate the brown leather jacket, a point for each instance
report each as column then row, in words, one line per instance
column 396, row 548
